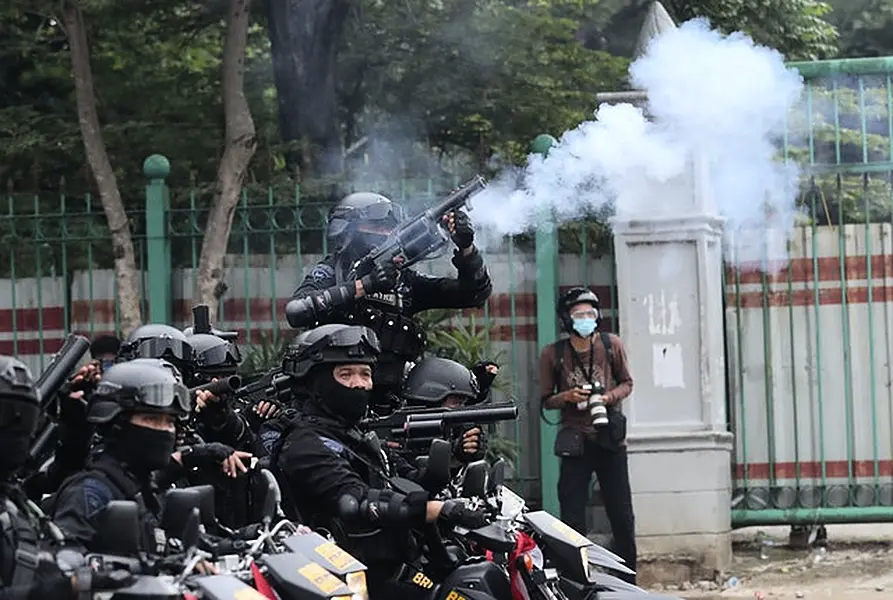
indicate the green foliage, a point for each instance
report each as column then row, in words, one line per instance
column 796, row 28
column 265, row 355
column 479, row 75
column 865, row 26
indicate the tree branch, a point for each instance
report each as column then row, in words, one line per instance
column 240, row 145
column 101, row 167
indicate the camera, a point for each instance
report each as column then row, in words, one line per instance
column 597, row 409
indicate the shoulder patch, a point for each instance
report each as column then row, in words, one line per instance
column 97, row 495
column 322, row 272
column 269, row 438
column 333, row 445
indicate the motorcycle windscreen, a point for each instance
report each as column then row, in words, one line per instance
column 602, row 557
column 225, row 587
column 566, row 547
column 613, row 584
column 317, row 548
column 296, row 576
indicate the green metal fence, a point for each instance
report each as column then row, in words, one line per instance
column 810, row 348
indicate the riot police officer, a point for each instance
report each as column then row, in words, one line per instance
column 436, row 382
column 135, row 408
column 381, row 299
column 339, row 478
column 25, row 571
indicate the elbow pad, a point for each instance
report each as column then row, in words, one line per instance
column 306, row 311
column 384, row 507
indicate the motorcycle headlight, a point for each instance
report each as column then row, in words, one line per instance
column 356, row 583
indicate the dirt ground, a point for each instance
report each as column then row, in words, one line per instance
column 857, row 564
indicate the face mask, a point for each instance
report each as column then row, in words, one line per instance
column 144, row 448
column 585, row 327
column 347, row 404
column 13, row 450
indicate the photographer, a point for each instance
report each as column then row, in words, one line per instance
column 586, row 377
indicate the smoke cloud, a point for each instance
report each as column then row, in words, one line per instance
column 718, row 97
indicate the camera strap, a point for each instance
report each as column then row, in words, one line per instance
column 588, row 374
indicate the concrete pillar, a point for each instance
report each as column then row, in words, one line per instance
column 669, row 283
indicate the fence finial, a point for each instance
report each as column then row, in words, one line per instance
column 542, row 143
column 156, row 166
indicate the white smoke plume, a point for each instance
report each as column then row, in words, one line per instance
column 721, row 97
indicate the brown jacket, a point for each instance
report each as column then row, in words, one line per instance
column 571, row 375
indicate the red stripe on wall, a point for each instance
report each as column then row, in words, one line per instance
column 809, row 470
column 802, row 270
column 826, row 297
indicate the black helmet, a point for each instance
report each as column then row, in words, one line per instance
column 358, row 211
column 213, row 353
column 143, row 385
column 575, row 295
column 432, row 379
column 331, row 344
column 19, row 397
column 155, row 340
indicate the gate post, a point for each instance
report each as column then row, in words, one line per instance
column 546, row 331
column 669, row 282
column 158, row 247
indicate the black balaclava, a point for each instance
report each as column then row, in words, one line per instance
column 17, row 419
column 143, row 449
column 348, row 405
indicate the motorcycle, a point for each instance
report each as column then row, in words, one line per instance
column 542, row 554
column 205, row 561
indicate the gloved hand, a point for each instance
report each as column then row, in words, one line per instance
column 382, row 278
column 486, row 372
column 206, row 454
column 469, row 444
column 461, row 230
column 456, row 513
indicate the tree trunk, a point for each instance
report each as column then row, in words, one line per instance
column 241, row 143
column 304, row 37
column 97, row 156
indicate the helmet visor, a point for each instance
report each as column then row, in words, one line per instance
column 169, row 397
column 164, row 347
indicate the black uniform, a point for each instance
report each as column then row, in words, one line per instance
column 390, row 314
column 328, row 293
column 78, row 506
column 326, row 465
column 25, row 571
column 130, row 453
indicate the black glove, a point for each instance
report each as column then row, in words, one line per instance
column 382, row 278
column 457, row 513
column 463, row 232
column 459, row 451
column 206, row 454
column 485, row 378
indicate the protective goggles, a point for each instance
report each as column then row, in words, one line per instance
column 223, row 355
column 164, row 347
column 350, row 337
column 159, row 396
